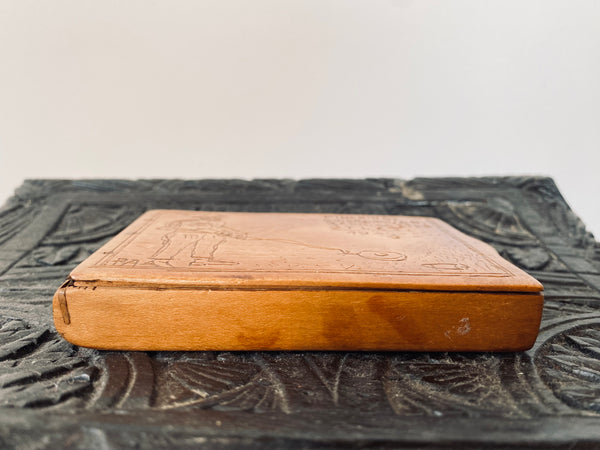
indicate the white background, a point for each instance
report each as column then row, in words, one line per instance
column 324, row 88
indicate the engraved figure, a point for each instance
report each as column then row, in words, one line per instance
column 193, row 243
column 378, row 255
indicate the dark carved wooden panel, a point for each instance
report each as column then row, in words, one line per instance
column 54, row 395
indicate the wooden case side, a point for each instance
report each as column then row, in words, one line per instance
column 181, row 319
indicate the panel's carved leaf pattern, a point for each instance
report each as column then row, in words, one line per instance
column 17, row 337
column 554, row 310
column 572, row 368
column 206, row 379
column 494, row 219
column 445, row 384
column 88, row 223
column 544, row 193
column 248, row 381
column 531, row 258
column 328, row 368
column 37, row 368
column 59, row 255
column 435, row 385
column 14, row 219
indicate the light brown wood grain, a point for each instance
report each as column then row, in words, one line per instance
column 182, row 280
column 192, row 248
column 189, row 319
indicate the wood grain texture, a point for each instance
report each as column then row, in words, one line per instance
column 184, row 280
column 180, row 319
column 56, row 395
column 262, row 250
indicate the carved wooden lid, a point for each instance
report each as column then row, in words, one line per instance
column 224, row 250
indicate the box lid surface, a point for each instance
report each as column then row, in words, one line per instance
column 298, row 251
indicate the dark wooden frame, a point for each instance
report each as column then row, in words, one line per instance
column 55, row 395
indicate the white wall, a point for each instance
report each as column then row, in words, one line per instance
column 259, row 88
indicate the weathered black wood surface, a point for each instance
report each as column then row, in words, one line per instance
column 53, row 395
